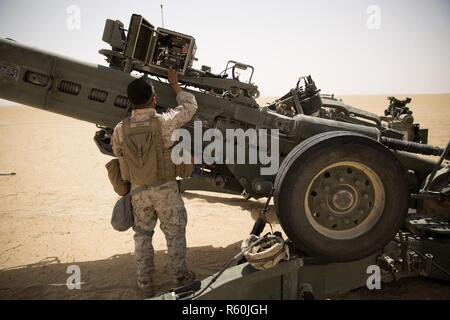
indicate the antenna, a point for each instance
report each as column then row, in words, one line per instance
column 162, row 15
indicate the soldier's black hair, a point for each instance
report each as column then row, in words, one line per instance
column 140, row 92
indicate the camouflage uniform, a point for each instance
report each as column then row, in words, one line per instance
column 162, row 202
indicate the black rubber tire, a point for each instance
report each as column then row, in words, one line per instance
column 309, row 158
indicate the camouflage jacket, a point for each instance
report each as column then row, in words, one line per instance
column 170, row 121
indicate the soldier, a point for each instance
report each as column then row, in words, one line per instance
column 142, row 144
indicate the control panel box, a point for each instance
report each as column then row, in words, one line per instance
column 174, row 49
column 159, row 48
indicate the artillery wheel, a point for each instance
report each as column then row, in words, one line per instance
column 341, row 196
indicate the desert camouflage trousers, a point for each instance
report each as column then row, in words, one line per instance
column 165, row 203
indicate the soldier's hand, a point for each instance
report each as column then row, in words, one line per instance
column 173, row 80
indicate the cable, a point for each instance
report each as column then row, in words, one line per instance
column 242, row 252
column 235, row 258
column 223, row 72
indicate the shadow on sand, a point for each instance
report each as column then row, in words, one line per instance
column 112, row 278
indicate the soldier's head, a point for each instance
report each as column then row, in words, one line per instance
column 142, row 93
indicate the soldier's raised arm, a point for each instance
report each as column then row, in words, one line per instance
column 183, row 113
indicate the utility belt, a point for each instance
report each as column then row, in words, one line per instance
column 122, row 187
column 147, row 187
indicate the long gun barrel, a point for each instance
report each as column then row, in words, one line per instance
column 84, row 91
column 54, row 83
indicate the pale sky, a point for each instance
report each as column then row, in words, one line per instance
column 331, row 40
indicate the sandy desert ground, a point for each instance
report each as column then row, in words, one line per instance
column 55, row 212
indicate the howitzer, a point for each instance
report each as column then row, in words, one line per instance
column 343, row 188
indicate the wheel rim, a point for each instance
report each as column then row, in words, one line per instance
column 344, row 200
